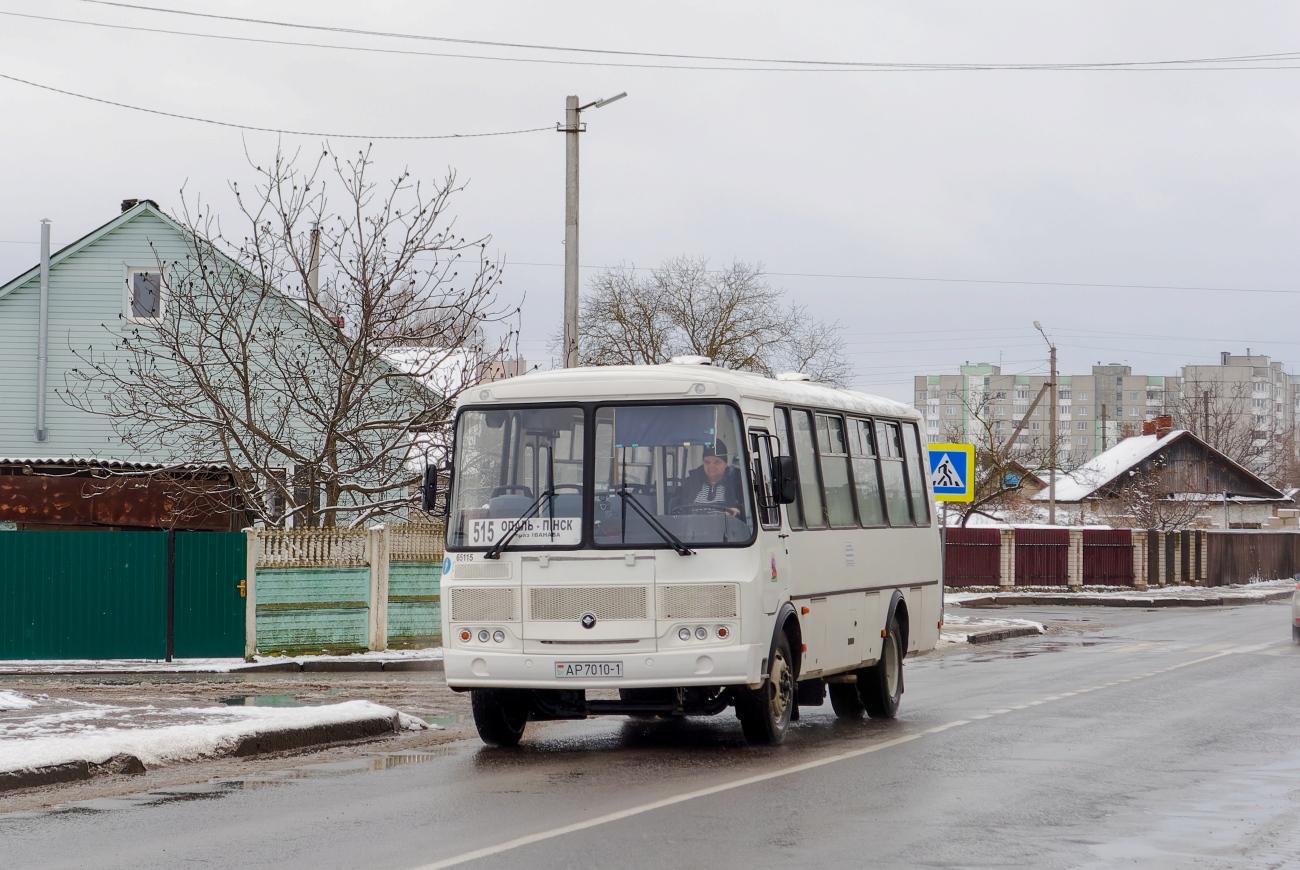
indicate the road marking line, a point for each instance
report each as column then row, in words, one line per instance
column 529, row 839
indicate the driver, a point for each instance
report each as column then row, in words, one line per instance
column 715, row 484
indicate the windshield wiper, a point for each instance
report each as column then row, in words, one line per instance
column 494, row 551
column 674, row 541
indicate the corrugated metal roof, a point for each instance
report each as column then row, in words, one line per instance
column 102, row 462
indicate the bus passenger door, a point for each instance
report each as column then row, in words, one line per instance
column 773, row 541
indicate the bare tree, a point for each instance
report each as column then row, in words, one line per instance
column 315, row 385
column 1001, row 464
column 732, row 315
column 1141, row 499
column 1221, row 414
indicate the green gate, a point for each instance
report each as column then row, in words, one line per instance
column 104, row 595
column 210, row 603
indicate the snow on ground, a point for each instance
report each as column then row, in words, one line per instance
column 44, row 731
column 14, row 701
column 207, row 666
column 1248, row 590
column 956, row 627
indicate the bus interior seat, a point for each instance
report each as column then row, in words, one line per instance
column 566, row 504
column 509, row 505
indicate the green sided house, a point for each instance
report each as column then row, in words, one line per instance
column 88, row 568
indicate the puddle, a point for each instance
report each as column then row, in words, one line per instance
column 452, row 719
column 262, row 701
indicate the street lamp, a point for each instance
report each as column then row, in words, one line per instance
column 1051, row 428
column 571, row 128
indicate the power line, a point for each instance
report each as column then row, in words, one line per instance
column 1257, row 61
column 990, row 281
column 262, row 129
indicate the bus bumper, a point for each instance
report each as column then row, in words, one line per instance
column 726, row 666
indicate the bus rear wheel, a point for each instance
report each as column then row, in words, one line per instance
column 881, row 685
column 846, row 700
column 764, row 713
column 499, row 715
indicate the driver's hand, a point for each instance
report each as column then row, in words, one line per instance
column 732, row 512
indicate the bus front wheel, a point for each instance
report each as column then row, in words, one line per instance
column 881, row 685
column 499, row 715
column 764, row 713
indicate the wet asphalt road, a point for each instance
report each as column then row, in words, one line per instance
column 1168, row 738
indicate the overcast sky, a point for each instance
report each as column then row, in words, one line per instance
column 1186, row 178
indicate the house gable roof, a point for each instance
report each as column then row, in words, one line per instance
column 70, row 250
column 1089, row 479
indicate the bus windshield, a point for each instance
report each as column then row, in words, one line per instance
column 664, row 476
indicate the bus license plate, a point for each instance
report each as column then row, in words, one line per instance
column 588, row 669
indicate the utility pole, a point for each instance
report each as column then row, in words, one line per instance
column 571, row 128
column 1103, row 428
column 1051, row 428
column 1206, row 433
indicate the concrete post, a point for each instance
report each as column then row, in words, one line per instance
column 1007, row 558
column 1139, row 560
column 377, row 555
column 1074, row 562
column 571, row 130
column 250, row 594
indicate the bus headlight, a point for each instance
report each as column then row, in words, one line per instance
column 723, row 632
column 465, row 635
column 499, row 636
column 483, row 635
column 701, row 633
column 684, row 633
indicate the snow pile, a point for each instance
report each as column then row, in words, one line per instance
column 96, row 732
column 14, row 701
column 957, row 628
column 1257, row 589
column 204, row 666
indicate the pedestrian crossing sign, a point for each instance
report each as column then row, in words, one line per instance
column 952, row 472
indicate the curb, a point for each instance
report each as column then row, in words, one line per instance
column 254, row 744
column 997, row 634
column 1228, row 600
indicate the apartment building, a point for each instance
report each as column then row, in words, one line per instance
column 1247, row 406
column 1094, row 410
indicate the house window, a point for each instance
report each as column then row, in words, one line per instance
column 1083, row 441
column 1081, row 411
column 1083, row 394
column 1133, row 397
column 950, row 410
column 1132, row 412
column 144, row 294
column 1083, row 427
column 1065, row 394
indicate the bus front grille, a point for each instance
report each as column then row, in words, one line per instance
column 699, row 601
column 571, row 603
column 477, row 604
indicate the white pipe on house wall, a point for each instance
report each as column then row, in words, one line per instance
column 43, row 329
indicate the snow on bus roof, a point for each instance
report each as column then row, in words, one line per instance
column 674, row 380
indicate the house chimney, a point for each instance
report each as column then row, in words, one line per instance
column 1223, row 357
column 128, row 204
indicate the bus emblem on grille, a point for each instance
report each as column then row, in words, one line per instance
column 588, row 620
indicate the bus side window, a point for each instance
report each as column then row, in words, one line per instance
column 916, row 476
column 769, row 512
column 866, row 477
column 892, row 477
column 792, row 511
column 834, row 456
column 805, row 458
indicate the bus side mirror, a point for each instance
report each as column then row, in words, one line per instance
column 429, row 490
column 785, row 481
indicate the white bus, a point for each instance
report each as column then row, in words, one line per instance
column 696, row 539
